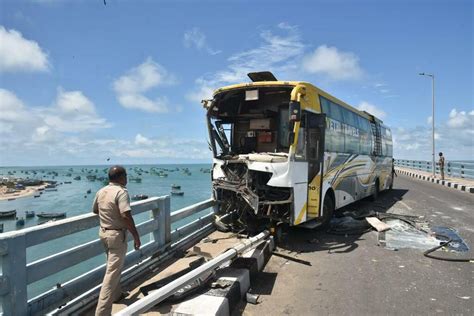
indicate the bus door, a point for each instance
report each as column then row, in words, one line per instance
column 315, row 127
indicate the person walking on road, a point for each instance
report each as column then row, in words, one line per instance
column 112, row 204
column 441, row 165
column 394, row 174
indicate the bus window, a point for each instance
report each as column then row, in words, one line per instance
column 283, row 128
column 300, row 153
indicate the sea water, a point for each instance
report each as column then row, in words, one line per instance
column 74, row 200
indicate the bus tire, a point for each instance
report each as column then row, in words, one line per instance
column 328, row 210
column 375, row 195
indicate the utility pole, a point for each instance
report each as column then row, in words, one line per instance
column 432, row 118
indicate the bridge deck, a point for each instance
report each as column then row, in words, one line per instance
column 351, row 275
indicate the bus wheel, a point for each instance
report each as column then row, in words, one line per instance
column 328, row 211
column 376, row 191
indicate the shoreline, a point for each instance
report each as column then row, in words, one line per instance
column 28, row 191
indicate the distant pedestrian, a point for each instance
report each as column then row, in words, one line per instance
column 441, row 165
column 112, row 204
column 394, row 174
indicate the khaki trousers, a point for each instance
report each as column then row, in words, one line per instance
column 115, row 243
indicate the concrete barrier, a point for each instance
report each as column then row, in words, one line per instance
column 231, row 286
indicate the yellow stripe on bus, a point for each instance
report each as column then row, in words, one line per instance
column 300, row 215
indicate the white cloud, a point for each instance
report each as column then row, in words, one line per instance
column 12, row 108
column 336, row 64
column 142, row 140
column 461, row 119
column 72, row 112
column 277, row 53
column 372, row 109
column 130, row 88
column 429, row 120
column 197, row 39
column 20, row 54
column 454, row 137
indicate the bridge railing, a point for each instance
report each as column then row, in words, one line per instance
column 17, row 273
column 459, row 169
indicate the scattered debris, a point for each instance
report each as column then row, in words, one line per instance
column 252, row 298
column 377, row 224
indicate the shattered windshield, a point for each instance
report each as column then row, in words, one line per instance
column 250, row 121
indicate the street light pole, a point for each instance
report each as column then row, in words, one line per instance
column 432, row 118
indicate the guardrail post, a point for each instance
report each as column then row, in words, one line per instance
column 163, row 234
column 13, row 280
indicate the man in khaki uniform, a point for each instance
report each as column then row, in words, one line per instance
column 112, row 204
column 441, row 165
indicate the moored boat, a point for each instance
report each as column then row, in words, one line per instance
column 176, row 192
column 29, row 214
column 20, row 221
column 175, row 187
column 138, row 197
column 51, row 215
column 7, row 214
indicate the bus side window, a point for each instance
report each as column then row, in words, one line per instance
column 300, row 153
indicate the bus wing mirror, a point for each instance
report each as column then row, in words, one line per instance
column 295, row 111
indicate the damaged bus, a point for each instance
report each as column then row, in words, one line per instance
column 288, row 152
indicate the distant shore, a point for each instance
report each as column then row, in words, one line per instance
column 28, row 191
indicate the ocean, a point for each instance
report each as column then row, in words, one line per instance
column 74, row 200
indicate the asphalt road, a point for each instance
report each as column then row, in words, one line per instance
column 352, row 275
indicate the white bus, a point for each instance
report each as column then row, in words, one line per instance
column 288, row 152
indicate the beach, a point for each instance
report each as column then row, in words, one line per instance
column 28, row 191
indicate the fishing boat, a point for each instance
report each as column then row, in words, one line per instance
column 139, row 197
column 175, row 187
column 7, row 214
column 77, row 178
column 20, row 221
column 136, row 179
column 29, row 214
column 67, row 182
column 51, row 215
column 177, row 192
column 36, row 196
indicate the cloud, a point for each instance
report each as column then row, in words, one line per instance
column 130, row 88
column 277, row 52
column 72, row 111
column 12, row 108
column 336, row 64
column 461, row 119
column 429, row 120
column 372, row 109
column 142, row 140
column 20, row 54
column 197, row 39
column 454, row 137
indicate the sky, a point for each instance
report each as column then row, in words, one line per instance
column 84, row 81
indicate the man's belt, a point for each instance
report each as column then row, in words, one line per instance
column 104, row 228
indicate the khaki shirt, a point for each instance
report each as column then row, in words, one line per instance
column 441, row 162
column 110, row 202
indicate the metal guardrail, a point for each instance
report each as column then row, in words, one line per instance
column 457, row 169
column 17, row 273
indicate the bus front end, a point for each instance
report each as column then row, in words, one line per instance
column 252, row 176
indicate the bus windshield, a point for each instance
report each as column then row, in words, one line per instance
column 253, row 120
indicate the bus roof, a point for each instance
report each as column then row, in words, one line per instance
column 308, row 86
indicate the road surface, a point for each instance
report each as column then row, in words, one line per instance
column 352, row 275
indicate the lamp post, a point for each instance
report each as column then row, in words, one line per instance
column 432, row 118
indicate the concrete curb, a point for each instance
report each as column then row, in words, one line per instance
column 446, row 183
column 233, row 283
